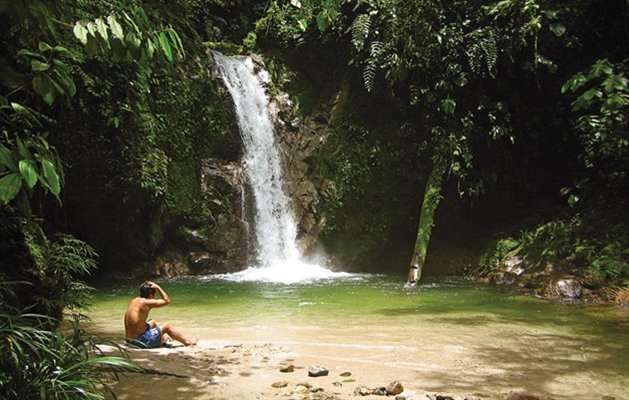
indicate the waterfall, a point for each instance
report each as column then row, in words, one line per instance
column 277, row 255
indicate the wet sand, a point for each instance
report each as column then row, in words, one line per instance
column 480, row 358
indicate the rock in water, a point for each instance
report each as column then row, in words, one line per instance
column 522, row 395
column 317, row 370
column 395, row 388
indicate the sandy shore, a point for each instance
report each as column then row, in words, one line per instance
column 222, row 370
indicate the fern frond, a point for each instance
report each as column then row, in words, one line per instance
column 372, row 63
column 360, row 31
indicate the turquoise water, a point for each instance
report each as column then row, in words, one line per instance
column 478, row 335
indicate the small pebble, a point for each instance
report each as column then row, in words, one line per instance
column 280, row 384
column 290, row 368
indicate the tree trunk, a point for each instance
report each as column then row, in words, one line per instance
column 432, row 196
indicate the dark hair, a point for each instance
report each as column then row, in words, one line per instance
column 146, row 290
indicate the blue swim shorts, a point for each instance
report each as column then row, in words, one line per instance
column 150, row 339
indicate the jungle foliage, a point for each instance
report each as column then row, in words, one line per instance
column 106, row 110
column 492, row 89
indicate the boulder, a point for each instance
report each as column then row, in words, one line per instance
column 565, row 288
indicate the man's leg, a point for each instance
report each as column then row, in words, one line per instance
column 175, row 334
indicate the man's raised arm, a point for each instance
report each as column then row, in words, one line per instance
column 165, row 300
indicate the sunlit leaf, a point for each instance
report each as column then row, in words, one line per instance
column 101, row 26
column 615, row 82
column 163, row 41
column 37, row 65
column 51, row 177
column 29, row 173
column 80, row 32
column 115, row 27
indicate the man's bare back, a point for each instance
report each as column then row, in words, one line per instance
column 136, row 318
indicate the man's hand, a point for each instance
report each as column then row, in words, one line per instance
column 152, row 285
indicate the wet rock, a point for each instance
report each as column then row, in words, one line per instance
column 503, row 278
column 394, row 388
column 362, row 391
column 380, row 391
column 279, row 384
column 317, row 370
column 522, row 395
column 345, row 374
column 289, row 368
column 514, row 264
column 569, row 288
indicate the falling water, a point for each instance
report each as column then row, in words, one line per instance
column 278, row 258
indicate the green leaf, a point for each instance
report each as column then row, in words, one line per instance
column 51, row 177
column 101, row 26
column 590, row 94
column 91, row 28
column 615, row 82
column 115, row 27
column 28, row 171
column 132, row 40
column 80, row 32
column 572, row 200
column 67, row 83
column 29, row 53
column 6, row 158
column 10, row 186
column 49, row 98
column 558, row 29
column 23, row 151
column 303, row 25
column 37, row 65
column 323, row 21
column 163, row 40
column 601, row 67
column 448, row 106
column 43, row 46
column 176, row 41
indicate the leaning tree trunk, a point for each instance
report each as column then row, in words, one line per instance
column 432, row 196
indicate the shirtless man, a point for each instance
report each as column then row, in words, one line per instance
column 143, row 332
